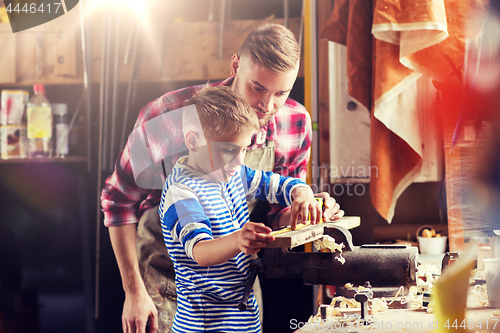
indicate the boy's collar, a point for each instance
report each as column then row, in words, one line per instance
column 182, row 164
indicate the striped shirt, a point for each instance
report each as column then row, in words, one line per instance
column 123, row 199
column 194, row 207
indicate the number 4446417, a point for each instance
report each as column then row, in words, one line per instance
column 32, row 8
column 471, row 324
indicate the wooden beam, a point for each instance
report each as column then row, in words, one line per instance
column 51, row 53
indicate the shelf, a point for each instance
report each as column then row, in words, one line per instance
column 69, row 159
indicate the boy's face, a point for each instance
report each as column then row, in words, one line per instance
column 266, row 91
column 223, row 155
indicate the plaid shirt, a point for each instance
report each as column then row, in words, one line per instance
column 123, row 199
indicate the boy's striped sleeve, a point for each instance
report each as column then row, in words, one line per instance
column 182, row 215
column 269, row 186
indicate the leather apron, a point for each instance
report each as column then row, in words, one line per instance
column 156, row 267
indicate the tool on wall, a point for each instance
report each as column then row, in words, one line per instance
column 105, row 78
column 286, row 13
column 221, row 28
column 131, row 82
column 114, row 100
column 103, row 93
column 107, row 120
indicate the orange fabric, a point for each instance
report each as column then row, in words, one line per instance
column 464, row 18
column 411, row 38
column 428, row 30
column 350, row 24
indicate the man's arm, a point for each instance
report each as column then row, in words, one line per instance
column 295, row 165
column 138, row 307
column 119, row 200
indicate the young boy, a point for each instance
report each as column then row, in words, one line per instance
column 204, row 215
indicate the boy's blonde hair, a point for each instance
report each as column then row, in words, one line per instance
column 219, row 111
column 272, row 46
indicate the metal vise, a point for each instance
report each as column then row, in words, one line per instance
column 382, row 265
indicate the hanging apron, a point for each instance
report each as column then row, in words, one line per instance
column 155, row 265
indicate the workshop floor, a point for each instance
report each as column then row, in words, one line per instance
column 61, row 307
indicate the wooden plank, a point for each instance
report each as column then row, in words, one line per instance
column 27, row 61
column 64, row 56
column 191, row 52
column 348, row 222
column 298, row 237
column 306, row 234
column 8, row 54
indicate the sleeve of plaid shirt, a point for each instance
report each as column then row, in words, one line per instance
column 293, row 126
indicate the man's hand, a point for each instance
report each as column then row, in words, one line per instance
column 138, row 308
column 303, row 206
column 332, row 210
column 139, row 311
column 253, row 236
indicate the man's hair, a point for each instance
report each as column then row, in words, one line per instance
column 219, row 111
column 272, row 46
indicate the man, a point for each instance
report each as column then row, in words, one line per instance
column 263, row 73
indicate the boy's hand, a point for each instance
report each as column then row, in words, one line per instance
column 304, row 204
column 332, row 209
column 253, row 237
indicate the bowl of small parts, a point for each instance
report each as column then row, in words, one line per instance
column 430, row 241
column 432, row 245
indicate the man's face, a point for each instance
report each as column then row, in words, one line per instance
column 266, row 91
column 224, row 155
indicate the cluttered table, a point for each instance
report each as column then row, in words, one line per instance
column 453, row 298
column 384, row 287
column 411, row 313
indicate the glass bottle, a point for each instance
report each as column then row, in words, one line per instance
column 39, row 124
column 60, row 112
